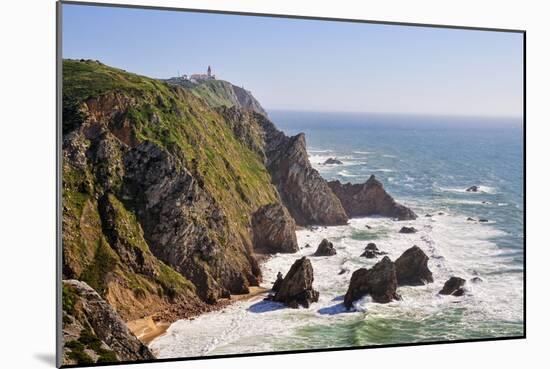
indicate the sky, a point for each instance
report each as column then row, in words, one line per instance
column 313, row 65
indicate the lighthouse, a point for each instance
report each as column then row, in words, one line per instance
column 209, row 72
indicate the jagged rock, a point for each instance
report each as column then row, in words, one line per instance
column 274, row 230
column 470, row 219
column 325, row 248
column 472, row 189
column 412, row 268
column 408, row 230
column 167, row 198
column 297, row 286
column 118, row 233
column 304, row 192
column 307, row 246
column 380, row 282
column 332, row 161
column 369, row 198
column 343, row 271
column 92, row 330
column 278, row 282
column 453, row 286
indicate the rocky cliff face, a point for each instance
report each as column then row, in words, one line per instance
column 158, row 193
column 369, row 198
column 302, row 189
column 93, row 332
column 274, row 230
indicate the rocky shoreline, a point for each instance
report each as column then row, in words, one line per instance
column 168, row 199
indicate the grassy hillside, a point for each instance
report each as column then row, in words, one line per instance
column 106, row 113
column 220, row 93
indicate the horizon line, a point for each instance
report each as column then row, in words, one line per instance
column 426, row 114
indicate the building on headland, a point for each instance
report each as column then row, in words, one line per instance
column 201, row 77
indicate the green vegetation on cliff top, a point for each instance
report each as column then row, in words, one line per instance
column 186, row 126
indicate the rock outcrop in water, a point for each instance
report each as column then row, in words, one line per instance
column 332, row 161
column 369, row 198
column 412, row 268
column 453, row 286
column 296, row 289
column 472, row 189
column 408, row 230
column 93, row 332
column 371, row 251
column 274, row 230
column 277, row 284
column 325, row 248
column 380, row 282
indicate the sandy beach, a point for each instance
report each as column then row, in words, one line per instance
column 146, row 329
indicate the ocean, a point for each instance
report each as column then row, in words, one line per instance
column 425, row 163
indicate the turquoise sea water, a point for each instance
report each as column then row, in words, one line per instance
column 425, row 163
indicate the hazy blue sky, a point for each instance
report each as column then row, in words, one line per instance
column 311, row 65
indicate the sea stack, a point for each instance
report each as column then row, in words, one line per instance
column 412, row 268
column 296, row 289
column 380, row 282
column 369, row 198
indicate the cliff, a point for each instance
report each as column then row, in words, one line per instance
column 305, row 193
column 157, row 194
column 217, row 93
column 93, row 332
column 170, row 189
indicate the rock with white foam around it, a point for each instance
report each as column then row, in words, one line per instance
column 380, row 282
column 412, row 268
column 453, row 286
column 296, row 289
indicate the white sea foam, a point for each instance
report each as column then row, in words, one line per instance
column 481, row 190
column 345, row 173
column 455, row 247
column 363, row 152
column 383, row 170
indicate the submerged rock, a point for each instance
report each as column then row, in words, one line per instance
column 412, row 268
column 369, row 198
column 274, row 230
column 325, row 248
column 408, row 230
column 380, row 282
column 453, row 286
column 472, row 189
column 481, row 220
column 332, row 161
column 297, row 286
